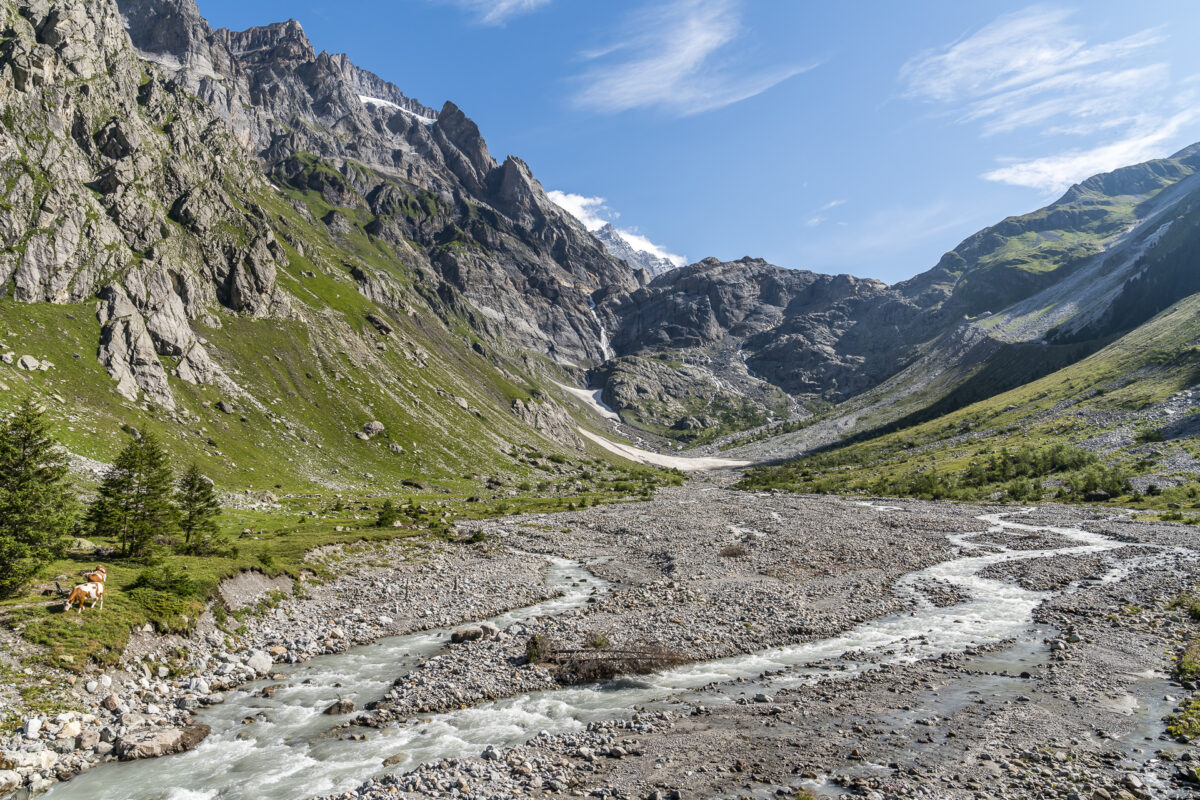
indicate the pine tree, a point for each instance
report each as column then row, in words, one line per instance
column 387, row 514
column 134, row 500
column 198, row 512
column 37, row 506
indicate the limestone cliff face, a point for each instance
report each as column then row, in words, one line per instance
column 124, row 187
column 487, row 228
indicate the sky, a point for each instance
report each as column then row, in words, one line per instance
column 843, row 137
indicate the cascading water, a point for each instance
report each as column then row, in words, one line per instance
column 281, row 753
column 605, row 346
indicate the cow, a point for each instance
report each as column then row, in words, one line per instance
column 98, row 575
column 84, row 592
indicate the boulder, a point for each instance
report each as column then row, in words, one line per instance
column 28, row 363
column 260, row 662
column 342, row 706
column 471, row 634
column 10, row 780
column 373, row 428
column 159, row 742
column 69, row 730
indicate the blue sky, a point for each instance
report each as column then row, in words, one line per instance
column 860, row 137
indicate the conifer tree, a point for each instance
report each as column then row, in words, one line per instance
column 37, row 506
column 198, row 512
column 387, row 514
column 134, row 500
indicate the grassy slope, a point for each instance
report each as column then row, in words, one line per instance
column 1072, row 405
column 303, row 384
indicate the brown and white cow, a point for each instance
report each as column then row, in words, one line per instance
column 84, row 592
column 98, row 575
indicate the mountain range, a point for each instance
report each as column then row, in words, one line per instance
column 259, row 248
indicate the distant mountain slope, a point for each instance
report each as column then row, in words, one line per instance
column 1007, row 305
column 1134, row 404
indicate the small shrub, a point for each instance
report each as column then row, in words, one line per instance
column 168, row 580
column 735, row 551
column 536, row 649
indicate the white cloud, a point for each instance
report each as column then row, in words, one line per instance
column 1052, row 174
column 590, row 211
column 676, row 57
column 498, row 12
column 593, row 213
column 1034, row 70
column 822, row 217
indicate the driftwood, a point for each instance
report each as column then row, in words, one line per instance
column 588, row 664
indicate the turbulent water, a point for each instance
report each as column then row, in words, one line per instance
column 281, row 753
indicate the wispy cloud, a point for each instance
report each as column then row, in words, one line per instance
column 821, row 216
column 594, row 214
column 1055, row 172
column 1034, row 70
column 498, row 12
column 677, row 57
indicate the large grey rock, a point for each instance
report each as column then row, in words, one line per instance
column 127, row 350
column 159, row 742
column 260, row 662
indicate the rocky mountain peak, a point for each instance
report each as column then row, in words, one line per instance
column 279, row 41
column 615, row 244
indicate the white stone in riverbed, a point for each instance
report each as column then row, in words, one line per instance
column 33, row 727
column 260, row 662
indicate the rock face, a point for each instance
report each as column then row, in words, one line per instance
column 549, row 418
column 137, row 204
column 487, row 229
column 793, row 328
column 615, row 244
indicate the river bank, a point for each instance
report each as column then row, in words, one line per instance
column 712, row 574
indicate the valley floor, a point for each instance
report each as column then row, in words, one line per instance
column 880, row 649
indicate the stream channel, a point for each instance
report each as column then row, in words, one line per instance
column 281, row 753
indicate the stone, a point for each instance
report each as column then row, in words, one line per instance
column 394, row 759
column 159, row 742
column 225, row 407
column 341, row 706
column 69, row 730
column 33, row 727
column 373, row 428
column 111, row 702
column 471, row 634
column 260, row 662
column 28, row 363
column 92, row 686
column 86, row 740
column 10, row 780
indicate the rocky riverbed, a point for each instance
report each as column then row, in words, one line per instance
column 1070, row 704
